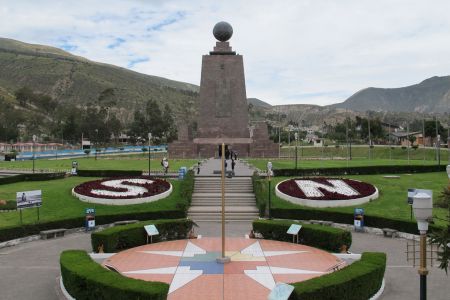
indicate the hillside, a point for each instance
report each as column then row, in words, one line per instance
column 69, row 78
column 431, row 95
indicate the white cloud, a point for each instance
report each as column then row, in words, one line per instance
column 316, row 52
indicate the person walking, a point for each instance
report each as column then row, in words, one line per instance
column 198, row 168
column 165, row 164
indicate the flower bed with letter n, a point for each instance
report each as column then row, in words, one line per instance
column 123, row 191
column 326, row 192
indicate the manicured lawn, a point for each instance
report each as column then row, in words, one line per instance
column 58, row 202
column 284, row 163
column 362, row 152
column 393, row 194
column 135, row 162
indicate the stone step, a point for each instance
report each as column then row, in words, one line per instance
column 215, row 209
column 219, row 200
column 227, row 195
column 228, row 217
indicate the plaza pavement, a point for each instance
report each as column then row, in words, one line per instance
column 29, row 271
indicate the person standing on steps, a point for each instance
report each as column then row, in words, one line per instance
column 233, row 163
column 198, row 168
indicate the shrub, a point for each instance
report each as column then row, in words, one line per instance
column 362, row 170
column 31, row 177
column 360, row 280
column 260, row 188
column 306, row 213
column 85, row 279
column 108, row 173
column 8, row 205
column 17, row 231
column 324, row 237
column 133, row 235
column 186, row 190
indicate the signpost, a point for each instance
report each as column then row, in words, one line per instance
column 358, row 220
column 182, row 173
column 269, row 176
column 294, row 229
column 90, row 219
column 149, row 154
column 151, row 231
column 29, row 199
column 74, row 170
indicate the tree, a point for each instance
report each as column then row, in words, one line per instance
column 170, row 130
column 24, row 96
column 442, row 237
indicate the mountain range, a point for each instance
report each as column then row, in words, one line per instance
column 69, row 78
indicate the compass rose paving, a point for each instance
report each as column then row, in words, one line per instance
column 190, row 266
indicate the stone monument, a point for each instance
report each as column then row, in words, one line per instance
column 223, row 108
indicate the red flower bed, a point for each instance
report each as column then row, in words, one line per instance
column 158, row 186
column 290, row 187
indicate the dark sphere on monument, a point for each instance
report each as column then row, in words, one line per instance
column 223, row 31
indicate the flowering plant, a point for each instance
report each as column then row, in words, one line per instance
column 123, row 187
column 323, row 188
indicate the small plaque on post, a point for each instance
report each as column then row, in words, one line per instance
column 151, row 231
column 294, row 230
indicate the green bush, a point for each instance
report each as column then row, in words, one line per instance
column 362, row 170
column 260, row 189
column 186, row 190
column 305, row 213
column 85, row 279
column 324, row 237
column 10, row 205
column 133, row 235
column 360, row 280
column 17, row 231
column 31, row 177
column 108, row 173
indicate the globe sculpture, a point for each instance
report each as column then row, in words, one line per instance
column 223, row 31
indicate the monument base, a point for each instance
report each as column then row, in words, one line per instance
column 223, row 260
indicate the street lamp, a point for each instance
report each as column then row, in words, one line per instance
column 296, row 144
column 34, row 141
column 149, row 155
column 269, row 175
column 96, row 143
column 423, row 208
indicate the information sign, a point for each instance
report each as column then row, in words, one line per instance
column 29, row 199
column 90, row 218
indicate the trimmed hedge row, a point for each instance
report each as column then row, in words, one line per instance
column 128, row 236
column 260, row 189
column 108, row 173
column 31, row 177
column 186, row 190
column 14, row 232
column 361, row 280
column 305, row 213
column 324, row 237
column 83, row 278
column 362, row 170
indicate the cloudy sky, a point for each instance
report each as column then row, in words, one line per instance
column 300, row 51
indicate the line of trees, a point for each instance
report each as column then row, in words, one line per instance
column 40, row 114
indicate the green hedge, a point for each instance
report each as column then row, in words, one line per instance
column 186, row 190
column 108, row 173
column 14, row 232
column 260, row 189
column 31, row 177
column 362, row 170
column 10, row 205
column 361, row 280
column 133, row 235
column 305, row 213
column 85, row 279
column 324, row 237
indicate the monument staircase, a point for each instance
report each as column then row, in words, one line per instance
column 240, row 202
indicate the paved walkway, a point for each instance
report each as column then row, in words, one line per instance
column 214, row 164
column 29, row 271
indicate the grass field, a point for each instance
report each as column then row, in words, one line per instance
column 362, row 152
column 134, row 162
column 393, row 194
column 58, row 202
column 285, row 163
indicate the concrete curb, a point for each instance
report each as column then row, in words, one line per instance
column 64, row 293
column 379, row 293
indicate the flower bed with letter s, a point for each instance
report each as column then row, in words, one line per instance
column 326, row 192
column 123, row 191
